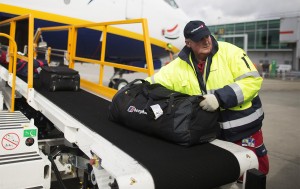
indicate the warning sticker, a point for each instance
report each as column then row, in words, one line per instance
column 10, row 141
column 29, row 133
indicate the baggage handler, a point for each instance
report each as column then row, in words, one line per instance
column 229, row 81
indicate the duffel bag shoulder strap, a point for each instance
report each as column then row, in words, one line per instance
column 135, row 87
column 132, row 83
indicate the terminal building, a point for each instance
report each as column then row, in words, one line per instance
column 272, row 41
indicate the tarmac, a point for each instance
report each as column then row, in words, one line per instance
column 281, row 130
column 281, row 127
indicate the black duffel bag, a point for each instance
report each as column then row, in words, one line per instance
column 158, row 111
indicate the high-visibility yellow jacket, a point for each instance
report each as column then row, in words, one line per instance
column 230, row 75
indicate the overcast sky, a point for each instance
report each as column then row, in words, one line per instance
column 230, row 11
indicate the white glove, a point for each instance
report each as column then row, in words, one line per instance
column 210, row 103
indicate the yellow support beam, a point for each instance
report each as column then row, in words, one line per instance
column 148, row 51
column 12, row 34
column 30, row 51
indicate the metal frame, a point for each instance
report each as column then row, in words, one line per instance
column 13, row 53
column 99, row 88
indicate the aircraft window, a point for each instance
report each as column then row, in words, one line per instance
column 172, row 3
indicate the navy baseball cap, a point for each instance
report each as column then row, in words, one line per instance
column 196, row 30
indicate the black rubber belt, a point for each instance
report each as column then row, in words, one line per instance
column 171, row 166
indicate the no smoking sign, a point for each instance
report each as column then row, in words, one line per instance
column 10, row 141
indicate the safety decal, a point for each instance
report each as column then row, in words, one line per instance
column 10, row 141
column 29, row 133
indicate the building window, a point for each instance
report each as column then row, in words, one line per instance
column 261, row 39
column 251, row 39
column 239, row 41
column 261, row 34
column 239, row 28
column 229, row 40
column 220, row 29
column 229, row 29
column 262, row 25
column 274, row 24
column 212, row 29
column 250, row 26
column 273, row 39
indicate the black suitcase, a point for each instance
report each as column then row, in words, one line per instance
column 60, row 78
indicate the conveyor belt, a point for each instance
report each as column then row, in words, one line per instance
column 171, row 165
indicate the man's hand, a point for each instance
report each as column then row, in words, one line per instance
column 210, row 103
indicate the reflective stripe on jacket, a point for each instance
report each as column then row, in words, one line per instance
column 231, row 76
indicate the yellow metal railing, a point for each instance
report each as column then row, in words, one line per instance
column 49, row 29
column 13, row 51
column 99, row 88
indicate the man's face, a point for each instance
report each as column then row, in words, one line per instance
column 201, row 48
